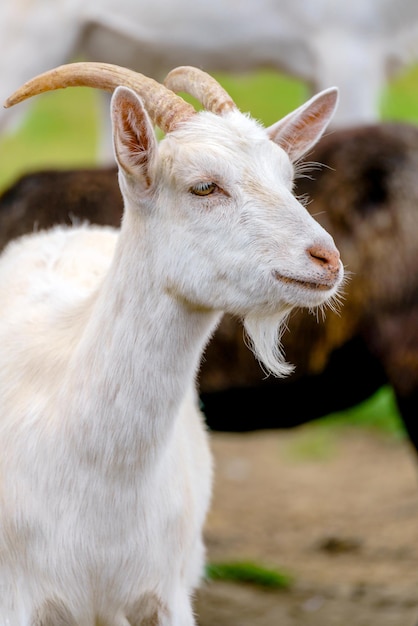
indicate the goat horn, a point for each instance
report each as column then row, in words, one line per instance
column 165, row 108
column 201, row 86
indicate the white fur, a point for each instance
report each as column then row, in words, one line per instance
column 105, row 470
column 355, row 46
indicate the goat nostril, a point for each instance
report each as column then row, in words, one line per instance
column 325, row 257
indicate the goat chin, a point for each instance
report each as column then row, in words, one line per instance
column 264, row 339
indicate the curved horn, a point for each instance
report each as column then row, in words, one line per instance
column 201, row 86
column 165, row 108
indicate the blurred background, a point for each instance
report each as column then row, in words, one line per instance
column 346, row 504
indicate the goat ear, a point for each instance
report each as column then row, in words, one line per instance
column 300, row 130
column 133, row 134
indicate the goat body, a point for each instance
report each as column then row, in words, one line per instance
column 105, row 467
column 78, row 499
column 355, row 46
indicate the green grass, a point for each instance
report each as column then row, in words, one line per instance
column 378, row 413
column 318, row 441
column 249, row 572
column 267, row 95
column 400, row 100
column 61, row 131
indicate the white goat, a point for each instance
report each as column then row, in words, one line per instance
column 105, row 471
column 355, row 45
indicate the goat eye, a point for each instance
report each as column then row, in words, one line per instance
column 203, row 189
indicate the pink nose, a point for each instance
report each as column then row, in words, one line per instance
column 326, row 258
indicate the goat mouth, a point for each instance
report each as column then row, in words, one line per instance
column 313, row 285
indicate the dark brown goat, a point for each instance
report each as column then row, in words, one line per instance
column 367, row 198
column 39, row 200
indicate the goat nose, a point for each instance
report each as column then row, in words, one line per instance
column 326, row 258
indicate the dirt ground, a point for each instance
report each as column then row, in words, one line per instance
column 337, row 510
